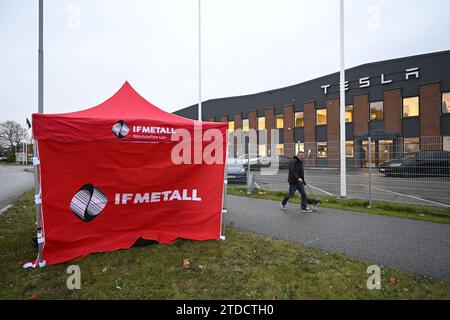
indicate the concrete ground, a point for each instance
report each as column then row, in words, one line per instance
column 14, row 182
column 419, row 247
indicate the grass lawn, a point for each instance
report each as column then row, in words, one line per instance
column 245, row 266
column 426, row 213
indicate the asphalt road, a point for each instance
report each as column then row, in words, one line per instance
column 14, row 182
column 418, row 247
column 424, row 190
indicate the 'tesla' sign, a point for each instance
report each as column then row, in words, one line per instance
column 365, row 82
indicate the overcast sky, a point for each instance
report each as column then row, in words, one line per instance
column 92, row 46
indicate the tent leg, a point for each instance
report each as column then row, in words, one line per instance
column 38, row 203
column 224, row 204
column 224, row 196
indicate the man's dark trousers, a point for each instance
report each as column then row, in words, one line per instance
column 292, row 188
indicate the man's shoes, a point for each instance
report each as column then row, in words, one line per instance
column 306, row 209
column 282, row 206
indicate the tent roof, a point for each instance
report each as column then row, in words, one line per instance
column 125, row 105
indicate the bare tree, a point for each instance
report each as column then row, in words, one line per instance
column 12, row 134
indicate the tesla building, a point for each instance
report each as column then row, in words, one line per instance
column 403, row 105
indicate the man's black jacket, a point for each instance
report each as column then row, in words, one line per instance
column 296, row 171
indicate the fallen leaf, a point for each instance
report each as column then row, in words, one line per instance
column 186, row 263
column 34, row 296
column 392, row 280
column 105, row 269
column 201, row 268
column 360, row 285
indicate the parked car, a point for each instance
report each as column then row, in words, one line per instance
column 424, row 163
column 256, row 161
column 236, row 173
column 283, row 161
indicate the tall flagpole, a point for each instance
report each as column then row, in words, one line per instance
column 36, row 162
column 199, row 61
column 41, row 59
column 342, row 105
column 26, row 141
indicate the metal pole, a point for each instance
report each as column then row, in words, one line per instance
column 370, row 171
column 249, row 175
column 199, row 62
column 26, row 142
column 342, row 106
column 224, row 194
column 36, row 164
column 41, row 58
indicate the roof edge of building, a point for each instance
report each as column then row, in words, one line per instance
column 325, row 76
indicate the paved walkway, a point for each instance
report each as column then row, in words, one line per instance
column 414, row 246
column 14, row 182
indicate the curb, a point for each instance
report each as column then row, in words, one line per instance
column 5, row 208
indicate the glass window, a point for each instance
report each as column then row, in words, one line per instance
column 280, row 121
column 280, row 149
column 446, row 102
column 446, row 143
column 349, row 113
column 349, row 149
column 231, row 126
column 262, row 150
column 245, row 125
column 300, row 146
column 261, row 123
column 321, row 117
column 411, row 145
column 322, row 149
column 376, row 110
column 299, row 120
column 410, row 107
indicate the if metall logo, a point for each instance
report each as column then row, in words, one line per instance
column 88, row 202
column 120, row 129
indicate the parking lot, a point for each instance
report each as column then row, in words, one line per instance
column 418, row 190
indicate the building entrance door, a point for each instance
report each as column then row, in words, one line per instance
column 365, row 155
column 382, row 150
column 385, row 150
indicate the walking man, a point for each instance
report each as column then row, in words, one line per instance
column 296, row 179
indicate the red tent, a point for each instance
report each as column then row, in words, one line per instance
column 125, row 170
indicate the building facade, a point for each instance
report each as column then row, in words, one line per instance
column 403, row 105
